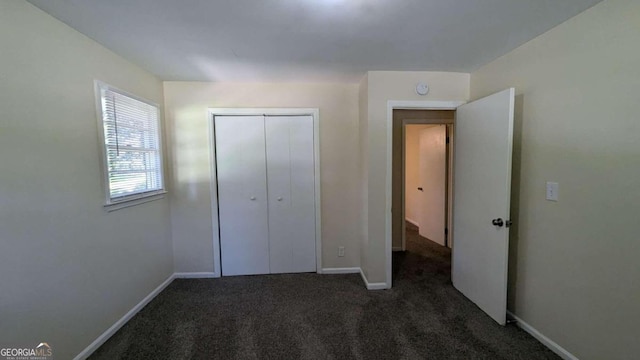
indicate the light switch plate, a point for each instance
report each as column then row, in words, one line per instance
column 552, row 191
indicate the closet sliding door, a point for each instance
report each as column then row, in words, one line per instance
column 242, row 194
column 291, row 191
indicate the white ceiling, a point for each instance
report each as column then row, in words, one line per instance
column 309, row 40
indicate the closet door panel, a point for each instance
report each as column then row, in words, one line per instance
column 242, row 194
column 290, row 184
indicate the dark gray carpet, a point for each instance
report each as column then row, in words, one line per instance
column 310, row 316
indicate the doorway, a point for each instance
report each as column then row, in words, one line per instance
column 427, row 182
column 421, row 184
column 482, row 185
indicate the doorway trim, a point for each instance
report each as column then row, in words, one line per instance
column 405, row 105
column 213, row 184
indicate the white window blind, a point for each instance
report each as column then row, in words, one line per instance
column 132, row 146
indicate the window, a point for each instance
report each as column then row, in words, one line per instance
column 130, row 130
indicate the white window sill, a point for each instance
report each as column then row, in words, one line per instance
column 133, row 202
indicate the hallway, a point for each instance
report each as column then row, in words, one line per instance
column 423, row 258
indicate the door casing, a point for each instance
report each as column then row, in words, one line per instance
column 402, row 105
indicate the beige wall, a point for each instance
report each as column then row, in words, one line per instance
column 69, row 269
column 412, row 173
column 382, row 87
column 574, row 271
column 186, row 106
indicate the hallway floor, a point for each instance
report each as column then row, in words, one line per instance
column 423, row 257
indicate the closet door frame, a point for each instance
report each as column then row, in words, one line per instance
column 212, row 113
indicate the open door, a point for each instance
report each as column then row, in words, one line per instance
column 482, row 187
column 433, row 177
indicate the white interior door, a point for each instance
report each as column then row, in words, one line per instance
column 242, row 194
column 291, row 188
column 432, row 171
column 482, row 185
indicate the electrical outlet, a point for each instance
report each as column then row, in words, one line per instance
column 341, row 251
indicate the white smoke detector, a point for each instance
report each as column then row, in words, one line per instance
column 422, row 89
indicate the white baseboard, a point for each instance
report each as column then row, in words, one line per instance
column 348, row 270
column 355, row 270
column 396, row 248
column 559, row 350
column 123, row 320
column 372, row 286
column 196, row 275
column 412, row 221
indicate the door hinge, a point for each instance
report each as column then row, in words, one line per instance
column 446, row 231
column 508, row 223
column 447, row 139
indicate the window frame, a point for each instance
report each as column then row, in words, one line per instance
column 110, row 203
